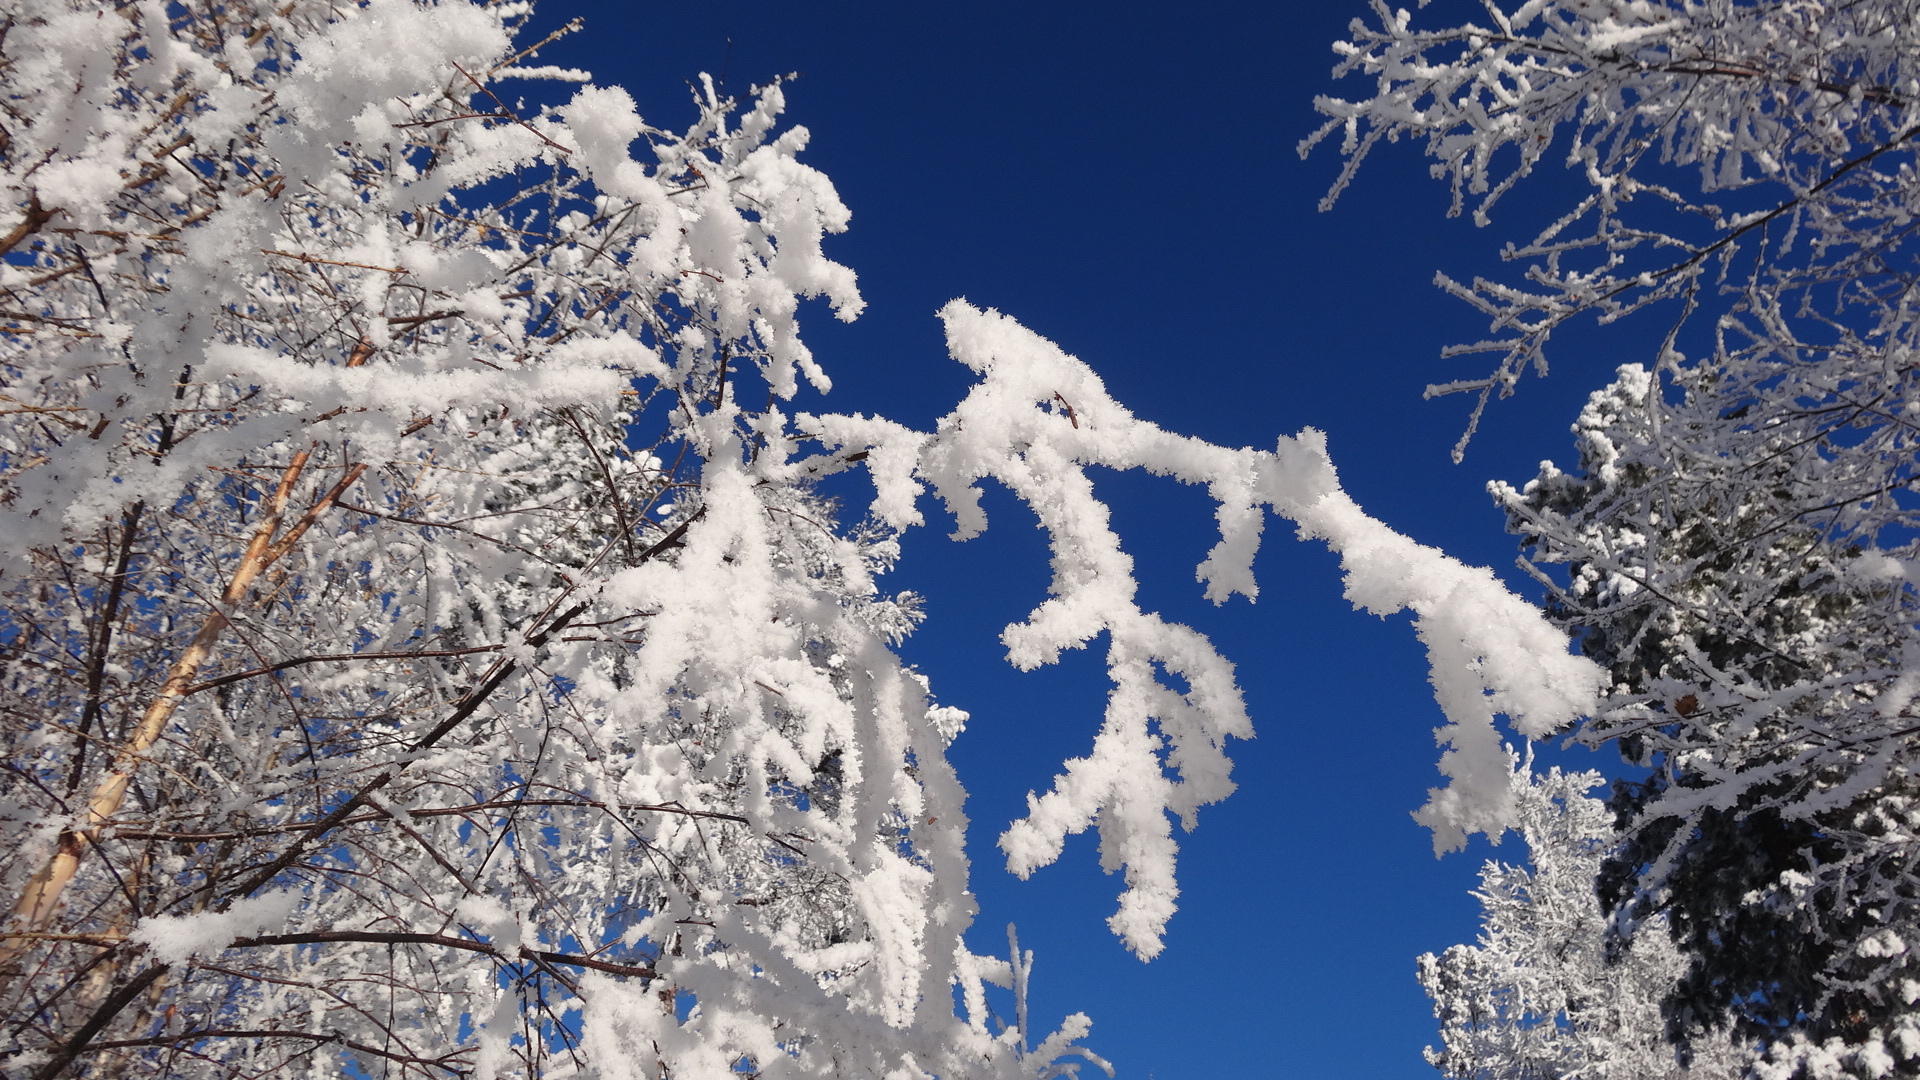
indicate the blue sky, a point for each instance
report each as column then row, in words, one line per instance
column 1122, row 178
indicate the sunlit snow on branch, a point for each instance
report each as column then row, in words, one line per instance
column 1035, row 422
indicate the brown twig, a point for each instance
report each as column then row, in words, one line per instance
column 36, row 216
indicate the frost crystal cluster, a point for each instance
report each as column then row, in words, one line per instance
column 427, row 648
column 1738, row 546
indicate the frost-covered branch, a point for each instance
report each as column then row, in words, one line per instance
column 1036, row 421
column 1798, row 120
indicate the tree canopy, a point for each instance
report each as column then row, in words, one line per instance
column 437, row 637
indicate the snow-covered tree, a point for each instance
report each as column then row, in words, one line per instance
column 1759, row 654
column 428, row 647
column 1545, row 995
column 1736, row 547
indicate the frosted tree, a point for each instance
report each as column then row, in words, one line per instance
column 428, row 648
column 1760, row 656
column 1545, row 994
column 1736, row 546
column 372, row 687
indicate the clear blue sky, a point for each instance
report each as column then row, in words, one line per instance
column 1121, row 177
